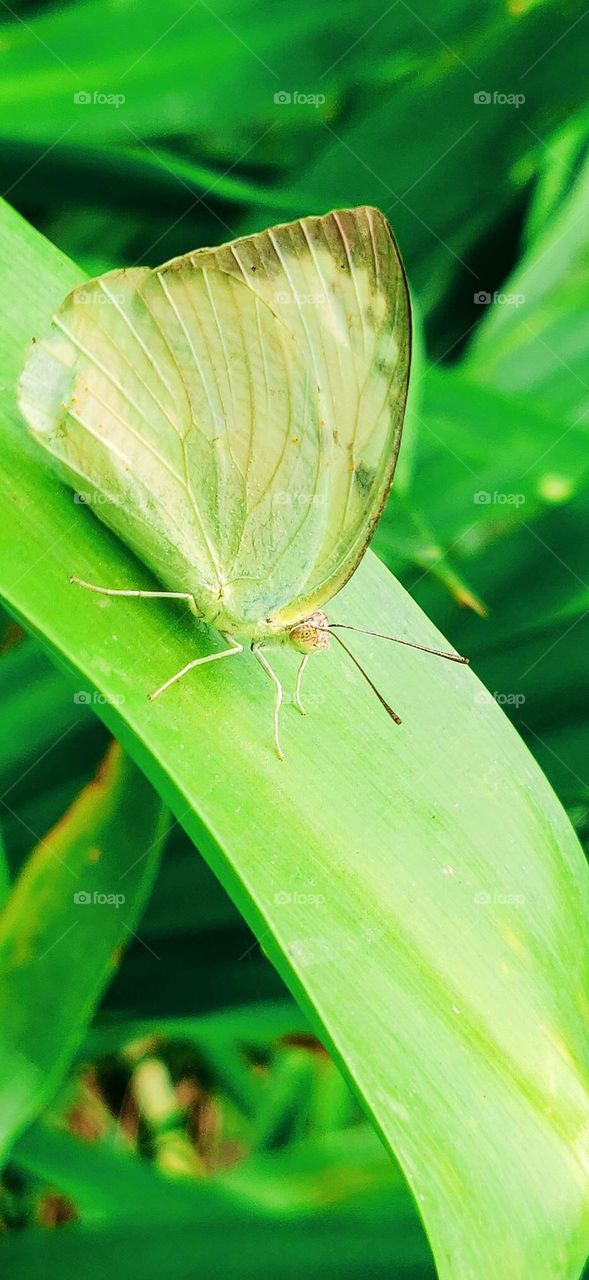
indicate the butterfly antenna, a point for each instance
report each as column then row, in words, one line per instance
column 383, row 701
column 439, row 653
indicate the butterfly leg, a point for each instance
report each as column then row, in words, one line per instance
column 144, row 595
column 297, row 696
column 236, row 647
column 278, row 687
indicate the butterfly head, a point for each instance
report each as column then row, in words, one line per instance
column 311, row 635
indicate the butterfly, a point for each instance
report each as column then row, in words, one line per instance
column 235, row 417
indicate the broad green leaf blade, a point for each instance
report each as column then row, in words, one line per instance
column 538, row 344
column 419, row 888
column 68, row 912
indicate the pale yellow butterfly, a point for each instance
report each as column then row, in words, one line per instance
column 238, row 413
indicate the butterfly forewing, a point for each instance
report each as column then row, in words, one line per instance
column 337, row 284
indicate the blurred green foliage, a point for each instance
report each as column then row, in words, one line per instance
column 131, row 132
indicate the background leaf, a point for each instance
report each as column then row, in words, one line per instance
column 82, row 857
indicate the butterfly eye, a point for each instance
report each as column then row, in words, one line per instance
column 311, row 635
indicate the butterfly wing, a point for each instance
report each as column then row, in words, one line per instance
column 337, row 282
column 236, row 414
column 164, row 396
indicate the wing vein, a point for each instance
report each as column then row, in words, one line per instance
column 149, row 354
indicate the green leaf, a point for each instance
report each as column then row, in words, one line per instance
column 200, row 80
column 317, row 1203
column 486, row 463
column 60, row 930
column 4, row 873
column 532, row 648
column 338, row 1169
column 437, row 185
column 39, row 713
column 147, row 1226
column 538, row 346
column 420, row 889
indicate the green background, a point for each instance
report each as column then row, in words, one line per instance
column 176, row 1116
